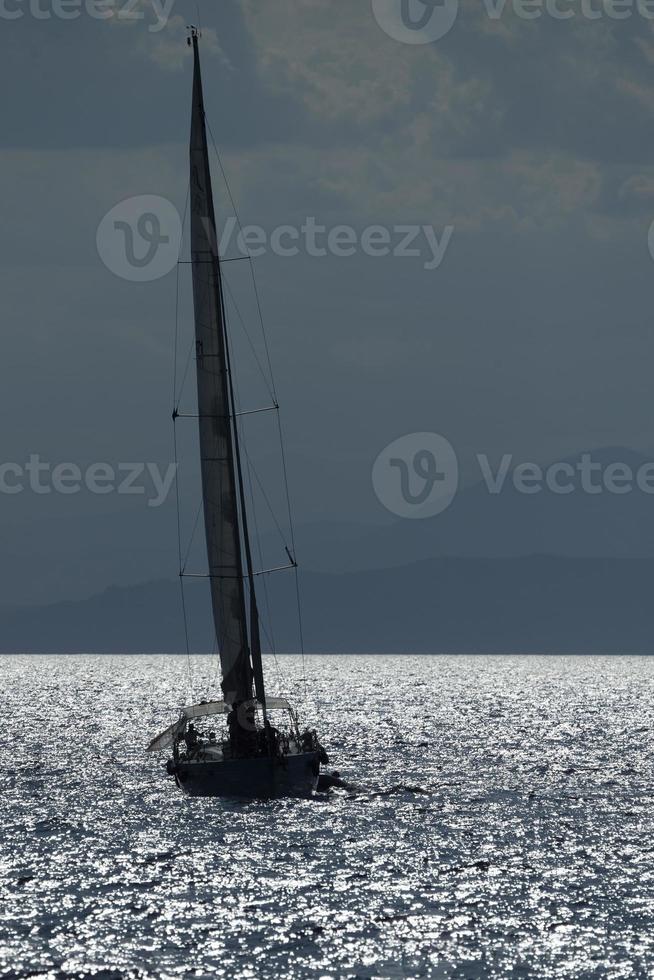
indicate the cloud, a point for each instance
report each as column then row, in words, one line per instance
column 335, row 56
column 164, row 41
column 169, row 51
column 510, row 121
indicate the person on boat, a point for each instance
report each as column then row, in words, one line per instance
column 242, row 730
column 191, row 740
column 310, row 743
column 270, row 740
column 234, row 729
column 249, row 733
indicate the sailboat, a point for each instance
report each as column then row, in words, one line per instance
column 255, row 759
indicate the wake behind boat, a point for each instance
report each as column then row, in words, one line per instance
column 252, row 758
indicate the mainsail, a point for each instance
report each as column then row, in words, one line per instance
column 218, row 436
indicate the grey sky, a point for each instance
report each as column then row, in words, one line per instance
column 534, row 139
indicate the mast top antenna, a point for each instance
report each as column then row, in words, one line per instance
column 194, row 32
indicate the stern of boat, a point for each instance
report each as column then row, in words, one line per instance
column 257, row 778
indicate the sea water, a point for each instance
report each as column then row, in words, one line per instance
column 502, row 826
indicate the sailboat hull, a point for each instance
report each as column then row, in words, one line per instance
column 261, row 778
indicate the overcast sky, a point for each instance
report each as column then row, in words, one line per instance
column 532, row 139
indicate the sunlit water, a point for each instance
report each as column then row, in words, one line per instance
column 504, row 825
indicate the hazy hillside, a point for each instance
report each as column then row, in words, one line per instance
column 79, row 547
column 526, row 605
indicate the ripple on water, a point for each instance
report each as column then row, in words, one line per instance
column 503, row 826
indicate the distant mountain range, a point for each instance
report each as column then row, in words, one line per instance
column 494, row 573
column 78, row 547
column 505, row 525
column 534, row 604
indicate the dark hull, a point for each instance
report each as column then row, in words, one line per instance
column 264, row 778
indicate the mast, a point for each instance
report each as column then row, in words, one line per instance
column 222, row 475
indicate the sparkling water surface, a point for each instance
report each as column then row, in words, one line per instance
column 503, row 826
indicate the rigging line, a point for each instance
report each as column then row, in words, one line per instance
column 298, row 597
column 188, row 649
column 179, row 553
column 186, row 370
column 176, row 455
column 254, row 281
column 223, row 578
column 265, row 497
column 190, row 544
column 281, row 678
column 269, row 636
column 177, row 302
column 287, row 488
column 291, row 525
column 291, row 522
column 263, row 330
column 255, row 286
column 281, row 434
column 260, row 552
column 267, row 381
column 177, row 297
column 264, row 585
column 256, row 660
column 188, row 200
column 216, row 671
column 239, row 258
column 252, row 470
column 175, row 354
column 238, row 415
